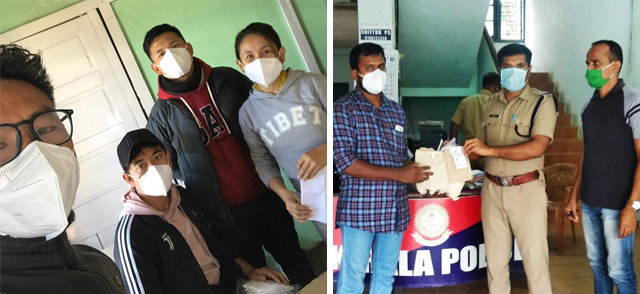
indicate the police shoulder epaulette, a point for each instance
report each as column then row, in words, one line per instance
column 547, row 94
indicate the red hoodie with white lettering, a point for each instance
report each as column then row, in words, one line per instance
column 239, row 182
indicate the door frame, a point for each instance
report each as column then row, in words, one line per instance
column 130, row 78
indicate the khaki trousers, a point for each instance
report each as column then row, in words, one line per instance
column 519, row 211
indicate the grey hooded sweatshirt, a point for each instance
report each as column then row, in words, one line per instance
column 280, row 128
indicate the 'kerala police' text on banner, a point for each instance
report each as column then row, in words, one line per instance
column 444, row 244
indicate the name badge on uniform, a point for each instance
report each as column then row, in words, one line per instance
column 399, row 128
column 494, row 116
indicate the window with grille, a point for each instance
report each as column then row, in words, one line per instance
column 505, row 20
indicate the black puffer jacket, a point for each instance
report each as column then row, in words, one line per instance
column 178, row 131
column 37, row 266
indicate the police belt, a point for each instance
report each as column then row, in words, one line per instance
column 515, row 180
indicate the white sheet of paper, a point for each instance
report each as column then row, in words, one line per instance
column 458, row 157
column 314, row 194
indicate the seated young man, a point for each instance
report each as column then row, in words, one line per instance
column 163, row 242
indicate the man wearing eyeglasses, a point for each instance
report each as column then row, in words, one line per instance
column 517, row 126
column 39, row 176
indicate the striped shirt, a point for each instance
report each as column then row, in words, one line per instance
column 377, row 136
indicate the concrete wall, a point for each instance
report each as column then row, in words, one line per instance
column 440, row 103
column 341, row 67
column 485, row 62
column 635, row 45
column 560, row 32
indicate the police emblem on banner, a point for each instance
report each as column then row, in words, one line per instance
column 432, row 225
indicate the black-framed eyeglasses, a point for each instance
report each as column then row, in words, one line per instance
column 53, row 127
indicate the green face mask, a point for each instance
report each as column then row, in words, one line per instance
column 595, row 79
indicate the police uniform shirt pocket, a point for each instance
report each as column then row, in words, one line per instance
column 519, row 130
column 492, row 126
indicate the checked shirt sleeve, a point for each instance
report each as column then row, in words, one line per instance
column 344, row 137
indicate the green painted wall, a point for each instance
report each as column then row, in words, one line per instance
column 485, row 62
column 15, row 13
column 439, row 104
column 313, row 18
column 210, row 26
column 429, row 108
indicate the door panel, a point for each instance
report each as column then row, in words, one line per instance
column 85, row 81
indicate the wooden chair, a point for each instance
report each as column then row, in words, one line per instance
column 560, row 178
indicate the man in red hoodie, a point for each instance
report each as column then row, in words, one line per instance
column 196, row 119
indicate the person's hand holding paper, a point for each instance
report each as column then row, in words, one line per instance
column 314, row 195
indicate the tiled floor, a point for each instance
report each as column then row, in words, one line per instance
column 570, row 271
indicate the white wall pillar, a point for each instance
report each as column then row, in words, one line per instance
column 377, row 24
column 634, row 53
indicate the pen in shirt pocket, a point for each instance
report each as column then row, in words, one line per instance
column 514, row 117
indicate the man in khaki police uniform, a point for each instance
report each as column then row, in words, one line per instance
column 469, row 112
column 518, row 125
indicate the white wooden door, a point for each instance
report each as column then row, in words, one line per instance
column 89, row 78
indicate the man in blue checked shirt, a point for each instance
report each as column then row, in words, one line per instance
column 370, row 150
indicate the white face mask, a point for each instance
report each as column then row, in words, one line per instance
column 176, row 62
column 264, row 71
column 374, row 81
column 37, row 190
column 156, row 181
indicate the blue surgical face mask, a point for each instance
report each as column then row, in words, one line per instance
column 513, row 79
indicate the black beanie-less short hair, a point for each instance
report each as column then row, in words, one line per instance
column 17, row 63
column 365, row 49
column 490, row 79
column 514, row 49
column 156, row 31
column 615, row 51
column 261, row 29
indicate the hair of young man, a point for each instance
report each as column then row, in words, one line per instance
column 156, row 31
column 490, row 79
column 17, row 63
column 514, row 49
column 138, row 148
column 262, row 29
column 615, row 51
column 364, row 49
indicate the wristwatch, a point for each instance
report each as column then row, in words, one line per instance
column 636, row 205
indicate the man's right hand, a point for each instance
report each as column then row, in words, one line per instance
column 414, row 173
column 263, row 273
column 572, row 211
column 300, row 212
